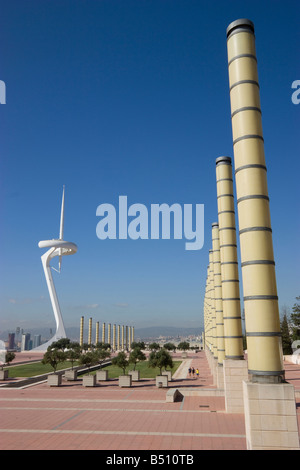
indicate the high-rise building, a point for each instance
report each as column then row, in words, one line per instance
column 11, row 341
column 25, row 343
column 37, row 341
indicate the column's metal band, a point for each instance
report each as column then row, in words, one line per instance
column 260, row 297
column 266, row 333
column 243, row 82
column 225, row 179
column 255, row 229
column 242, row 56
column 258, row 261
column 246, row 108
column 252, row 165
column 252, row 196
column 226, row 212
column 265, row 372
column 233, row 245
column 223, row 195
column 248, row 136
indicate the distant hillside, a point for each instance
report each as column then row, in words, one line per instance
column 156, row 331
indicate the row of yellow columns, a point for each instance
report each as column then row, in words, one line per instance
column 120, row 338
column 222, row 311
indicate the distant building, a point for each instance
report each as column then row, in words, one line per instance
column 11, row 341
column 37, row 340
column 25, row 343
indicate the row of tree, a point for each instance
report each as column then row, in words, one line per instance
column 290, row 327
column 91, row 355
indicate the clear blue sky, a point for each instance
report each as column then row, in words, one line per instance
column 114, row 97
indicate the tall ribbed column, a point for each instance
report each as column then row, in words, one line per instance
column 122, row 337
column 212, row 306
column 218, row 294
column 97, row 333
column 103, row 332
column 258, row 268
column 126, row 337
column 109, row 334
column 132, row 334
column 114, row 337
column 129, row 337
column 90, row 331
column 119, row 338
column 81, row 331
column 229, row 261
column 207, row 312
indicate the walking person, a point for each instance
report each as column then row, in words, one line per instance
column 197, row 373
column 190, row 371
column 193, row 372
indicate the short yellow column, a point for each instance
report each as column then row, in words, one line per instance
column 81, row 331
column 103, row 333
column 212, row 306
column 229, row 261
column 90, row 331
column 114, row 338
column 97, row 333
column 218, row 294
column 265, row 362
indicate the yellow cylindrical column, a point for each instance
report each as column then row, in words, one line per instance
column 123, row 337
column 109, row 334
column 90, row 331
column 97, row 333
column 119, row 338
column 114, row 337
column 218, row 294
column 229, row 261
column 103, row 332
column 212, row 306
column 132, row 334
column 126, row 337
column 265, row 362
column 81, row 331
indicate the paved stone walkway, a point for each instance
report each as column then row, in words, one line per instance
column 107, row 417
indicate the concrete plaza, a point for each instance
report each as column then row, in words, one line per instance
column 107, row 417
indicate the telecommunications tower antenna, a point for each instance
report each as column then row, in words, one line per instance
column 57, row 247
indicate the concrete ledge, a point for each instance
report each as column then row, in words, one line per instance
column 187, row 392
column 102, row 375
column 161, row 381
column 173, row 394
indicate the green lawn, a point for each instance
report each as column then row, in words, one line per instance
column 37, row 368
column 145, row 371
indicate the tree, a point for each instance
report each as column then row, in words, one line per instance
column 140, row 345
column 53, row 357
column 102, row 345
column 160, row 359
column 295, row 318
column 136, row 356
column 154, row 346
column 170, row 346
column 121, row 361
column 286, row 339
column 73, row 354
column 9, row 357
column 102, row 351
column 184, row 345
column 88, row 359
column 62, row 343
